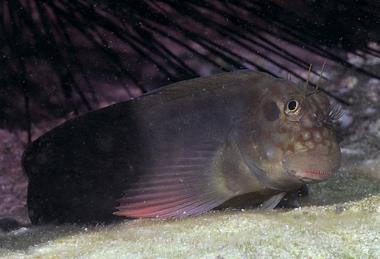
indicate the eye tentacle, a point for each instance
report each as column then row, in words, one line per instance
column 335, row 112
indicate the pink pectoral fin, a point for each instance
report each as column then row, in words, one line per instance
column 175, row 187
column 167, row 209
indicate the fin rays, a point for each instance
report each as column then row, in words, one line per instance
column 175, row 187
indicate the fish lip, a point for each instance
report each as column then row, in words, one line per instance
column 312, row 175
column 315, row 166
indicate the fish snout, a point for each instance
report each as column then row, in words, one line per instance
column 315, row 165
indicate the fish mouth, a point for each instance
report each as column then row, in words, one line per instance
column 314, row 166
column 312, row 175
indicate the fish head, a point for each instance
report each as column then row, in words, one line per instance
column 291, row 136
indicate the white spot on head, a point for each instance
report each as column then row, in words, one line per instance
column 305, row 135
column 317, row 136
column 272, row 153
column 299, row 147
column 309, row 144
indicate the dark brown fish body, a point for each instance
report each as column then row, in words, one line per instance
column 182, row 150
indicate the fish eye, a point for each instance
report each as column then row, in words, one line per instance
column 292, row 106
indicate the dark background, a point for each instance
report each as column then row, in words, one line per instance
column 62, row 57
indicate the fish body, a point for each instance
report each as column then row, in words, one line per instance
column 182, row 150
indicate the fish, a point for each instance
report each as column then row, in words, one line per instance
column 184, row 149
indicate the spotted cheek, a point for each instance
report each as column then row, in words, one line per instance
column 289, row 149
column 299, row 146
column 306, row 135
column 315, row 138
column 306, row 122
column 272, row 157
column 309, row 139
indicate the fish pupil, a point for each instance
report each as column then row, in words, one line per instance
column 292, row 105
